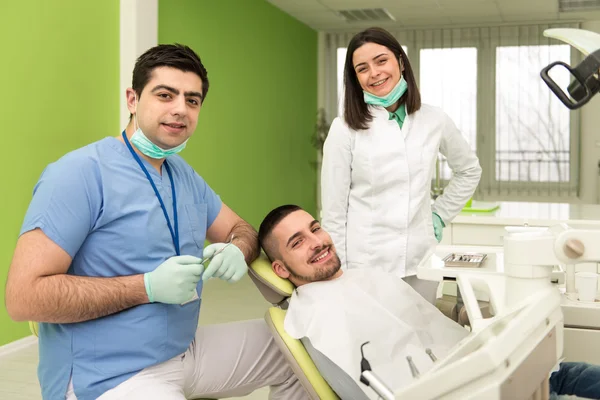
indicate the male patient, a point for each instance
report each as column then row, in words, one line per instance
column 334, row 311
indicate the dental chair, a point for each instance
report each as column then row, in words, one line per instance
column 277, row 291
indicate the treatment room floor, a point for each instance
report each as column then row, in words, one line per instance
column 222, row 302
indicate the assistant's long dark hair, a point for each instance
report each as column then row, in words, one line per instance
column 356, row 111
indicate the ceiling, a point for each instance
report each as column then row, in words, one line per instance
column 324, row 15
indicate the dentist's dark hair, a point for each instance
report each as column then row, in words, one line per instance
column 268, row 224
column 176, row 56
column 356, row 111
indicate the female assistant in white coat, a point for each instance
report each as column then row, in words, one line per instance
column 379, row 161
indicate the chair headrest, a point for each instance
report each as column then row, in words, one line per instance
column 274, row 289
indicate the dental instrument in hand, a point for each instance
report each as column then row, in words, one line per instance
column 202, row 262
column 218, row 251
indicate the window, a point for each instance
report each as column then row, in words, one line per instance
column 532, row 125
column 449, row 81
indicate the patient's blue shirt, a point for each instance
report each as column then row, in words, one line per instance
column 97, row 205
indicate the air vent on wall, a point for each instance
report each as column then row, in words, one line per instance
column 578, row 5
column 367, row 15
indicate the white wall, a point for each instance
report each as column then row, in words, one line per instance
column 139, row 32
column 590, row 140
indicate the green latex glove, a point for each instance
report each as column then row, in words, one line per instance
column 438, row 227
column 229, row 265
column 174, row 281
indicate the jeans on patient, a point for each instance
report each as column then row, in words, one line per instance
column 576, row 379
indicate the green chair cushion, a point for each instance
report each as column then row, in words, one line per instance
column 275, row 318
column 262, row 268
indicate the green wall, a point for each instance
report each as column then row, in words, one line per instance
column 59, row 73
column 252, row 144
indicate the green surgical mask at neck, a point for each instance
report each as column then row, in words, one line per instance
column 147, row 147
column 389, row 99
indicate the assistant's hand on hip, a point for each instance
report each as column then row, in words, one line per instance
column 438, row 226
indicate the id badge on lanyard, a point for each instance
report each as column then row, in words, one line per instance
column 174, row 229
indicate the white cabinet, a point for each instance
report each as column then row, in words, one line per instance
column 477, row 234
column 488, row 229
column 582, row 345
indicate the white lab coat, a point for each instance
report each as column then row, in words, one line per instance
column 375, row 187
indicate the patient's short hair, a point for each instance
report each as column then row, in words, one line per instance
column 268, row 224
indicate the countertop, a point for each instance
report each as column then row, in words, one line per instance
column 542, row 214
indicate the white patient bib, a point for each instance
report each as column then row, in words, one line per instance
column 370, row 305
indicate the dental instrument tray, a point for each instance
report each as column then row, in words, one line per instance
column 468, row 260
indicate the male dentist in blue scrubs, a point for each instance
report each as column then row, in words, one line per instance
column 109, row 260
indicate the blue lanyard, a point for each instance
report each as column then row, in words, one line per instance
column 175, row 232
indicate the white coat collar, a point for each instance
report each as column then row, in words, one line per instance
column 381, row 113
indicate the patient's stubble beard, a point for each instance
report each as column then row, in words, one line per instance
column 320, row 274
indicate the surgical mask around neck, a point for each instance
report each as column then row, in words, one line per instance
column 147, row 147
column 389, row 99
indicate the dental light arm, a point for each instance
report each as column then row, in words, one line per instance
column 586, row 82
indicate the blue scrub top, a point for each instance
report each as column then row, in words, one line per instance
column 97, row 205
